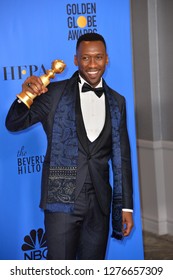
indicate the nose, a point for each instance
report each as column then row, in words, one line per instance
column 92, row 62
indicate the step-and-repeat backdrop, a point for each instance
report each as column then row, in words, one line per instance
column 33, row 34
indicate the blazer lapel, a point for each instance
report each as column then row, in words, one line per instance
column 81, row 132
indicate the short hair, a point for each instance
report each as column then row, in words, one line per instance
column 90, row 37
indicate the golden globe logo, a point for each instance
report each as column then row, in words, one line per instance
column 81, row 19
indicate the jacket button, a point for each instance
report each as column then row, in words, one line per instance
column 89, row 157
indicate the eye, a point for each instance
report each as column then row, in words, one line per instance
column 85, row 58
column 99, row 57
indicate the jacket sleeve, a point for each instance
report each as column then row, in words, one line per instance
column 127, row 189
column 20, row 117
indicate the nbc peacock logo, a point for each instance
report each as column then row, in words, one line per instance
column 35, row 246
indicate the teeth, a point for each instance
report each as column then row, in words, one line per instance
column 95, row 72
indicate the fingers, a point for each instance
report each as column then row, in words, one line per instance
column 34, row 85
column 127, row 222
column 127, row 230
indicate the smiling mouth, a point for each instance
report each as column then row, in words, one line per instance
column 93, row 73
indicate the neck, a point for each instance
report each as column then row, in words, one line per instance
column 82, row 80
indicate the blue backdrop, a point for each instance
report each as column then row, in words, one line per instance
column 33, row 34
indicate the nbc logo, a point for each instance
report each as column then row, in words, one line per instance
column 35, row 247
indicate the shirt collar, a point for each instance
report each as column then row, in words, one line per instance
column 82, row 81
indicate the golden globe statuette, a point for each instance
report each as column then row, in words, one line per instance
column 58, row 67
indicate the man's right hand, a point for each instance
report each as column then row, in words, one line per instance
column 34, row 85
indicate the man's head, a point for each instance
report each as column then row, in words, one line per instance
column 91, row 57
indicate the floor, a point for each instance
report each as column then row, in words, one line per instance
column 157, row 247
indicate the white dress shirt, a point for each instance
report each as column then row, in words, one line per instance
column 92, row 106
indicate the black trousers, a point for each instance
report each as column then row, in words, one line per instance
column 79, row 235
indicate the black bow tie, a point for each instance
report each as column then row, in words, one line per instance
column 98, row 91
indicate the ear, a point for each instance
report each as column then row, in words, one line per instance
column 107, row 59
column 75, row 60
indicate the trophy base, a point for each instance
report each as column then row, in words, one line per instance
column 27, row 98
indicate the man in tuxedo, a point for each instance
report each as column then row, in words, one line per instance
column 85, row 123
